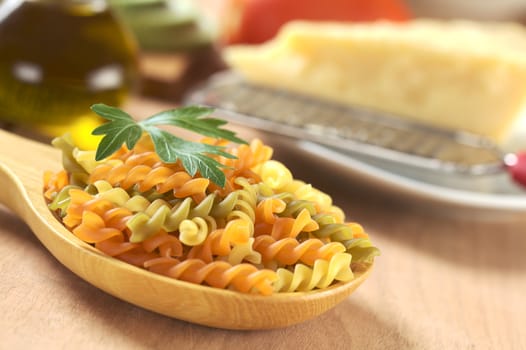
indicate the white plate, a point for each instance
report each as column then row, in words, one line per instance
column 494, row 193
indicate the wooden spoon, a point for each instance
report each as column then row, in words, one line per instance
column 22, row 163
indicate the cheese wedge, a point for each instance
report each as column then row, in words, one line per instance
column 456, row 74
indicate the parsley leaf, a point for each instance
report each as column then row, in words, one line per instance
column 195, row 156
column 188, row 118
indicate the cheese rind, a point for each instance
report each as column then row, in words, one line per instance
column 455, row 74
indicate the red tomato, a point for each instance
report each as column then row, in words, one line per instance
column 256, row 21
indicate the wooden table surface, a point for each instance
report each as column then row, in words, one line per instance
column 448, row 278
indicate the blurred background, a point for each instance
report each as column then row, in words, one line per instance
column 57, row 57
column 225, row 22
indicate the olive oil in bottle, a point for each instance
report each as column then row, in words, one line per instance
column 59, row 57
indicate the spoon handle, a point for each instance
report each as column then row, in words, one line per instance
column 22, row 163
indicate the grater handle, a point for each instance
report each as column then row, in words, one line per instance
column 516, row 166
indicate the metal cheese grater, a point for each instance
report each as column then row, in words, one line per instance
column 350, row 130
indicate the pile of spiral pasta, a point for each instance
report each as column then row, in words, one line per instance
column 264, row 232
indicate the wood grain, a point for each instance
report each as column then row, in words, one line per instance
column 447, row 279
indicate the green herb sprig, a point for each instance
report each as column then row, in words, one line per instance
column 195, row 156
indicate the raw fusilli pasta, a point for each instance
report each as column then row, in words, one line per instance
column 288, row 251
column 264, row 232
column 321, row 275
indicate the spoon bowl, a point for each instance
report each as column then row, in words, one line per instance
column 22, row 163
